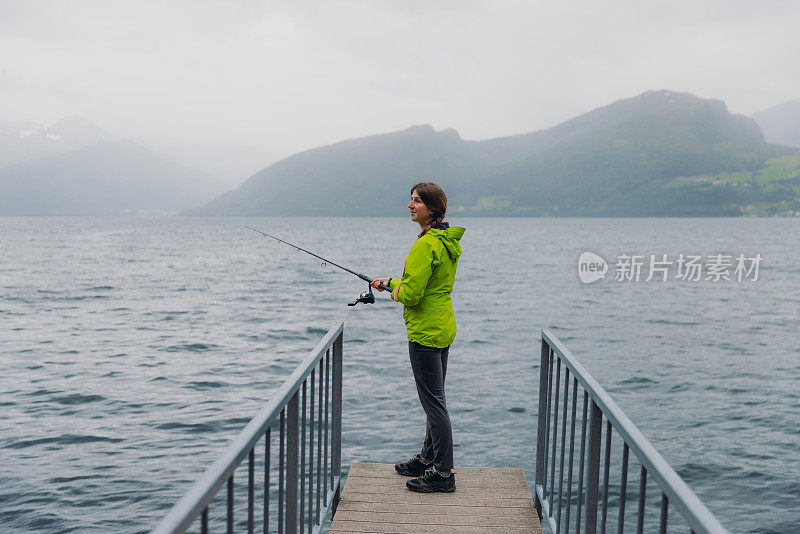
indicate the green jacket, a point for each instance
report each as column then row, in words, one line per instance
column 424, row 290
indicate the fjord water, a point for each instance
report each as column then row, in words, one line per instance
column 133, row 350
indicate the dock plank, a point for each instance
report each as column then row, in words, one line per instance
column 375, row 499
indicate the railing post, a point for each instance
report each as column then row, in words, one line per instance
column 284, row 409
column 292, row 450
column 336, row 441
column 593, row 467
column 541, row 446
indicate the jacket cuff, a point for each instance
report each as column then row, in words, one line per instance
column 396, row 292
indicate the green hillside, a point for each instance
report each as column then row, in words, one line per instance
column 773, row 189
column 658, row 154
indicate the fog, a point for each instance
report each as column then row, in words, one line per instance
column 230, row 87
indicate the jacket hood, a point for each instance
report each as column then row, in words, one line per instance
column 449, row 237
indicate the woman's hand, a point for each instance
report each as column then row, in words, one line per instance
column 378, row 281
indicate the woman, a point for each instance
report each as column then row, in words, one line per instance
column 424, row 290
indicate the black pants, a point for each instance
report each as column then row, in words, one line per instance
column 430, row 367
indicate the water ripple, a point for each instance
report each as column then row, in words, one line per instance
column 134, row 349
column 64, row 439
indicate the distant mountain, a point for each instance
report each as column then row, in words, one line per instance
column 21, row 142
column 369, row 176
column 659, row 153
column 104, row 178
column 620, row 160
column 781, row 124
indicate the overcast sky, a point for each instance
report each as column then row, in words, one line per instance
column 247, row 82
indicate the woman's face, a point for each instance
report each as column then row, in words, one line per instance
column 420, row 213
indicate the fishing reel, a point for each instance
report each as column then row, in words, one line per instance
column 366, row 297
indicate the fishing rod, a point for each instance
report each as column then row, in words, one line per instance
column 366, row 297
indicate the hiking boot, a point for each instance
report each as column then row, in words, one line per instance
column 412, row 468
column 432, row 482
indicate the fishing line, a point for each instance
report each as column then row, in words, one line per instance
column 366, row 297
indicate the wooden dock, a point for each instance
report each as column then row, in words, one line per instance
column 486, row 500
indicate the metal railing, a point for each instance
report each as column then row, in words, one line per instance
column 569, row 504
column 308, row 476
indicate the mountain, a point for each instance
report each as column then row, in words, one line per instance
column 659, row 153
column 368, row 176
column 22, row 141
column 781, row 124
column 620, row 160
column 103, row 178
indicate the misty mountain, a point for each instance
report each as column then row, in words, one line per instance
column 650, row 113
column 659, row 153
column 618, row 160
column 781, row 124
column 369, row 176
column 105, row 178
column 22, row 141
